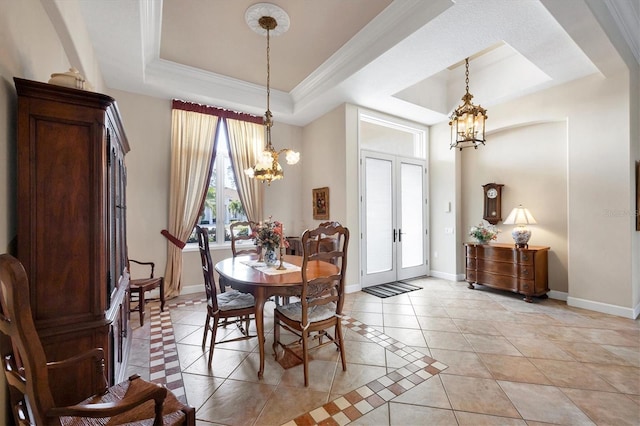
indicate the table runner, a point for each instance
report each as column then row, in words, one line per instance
column 272, row 270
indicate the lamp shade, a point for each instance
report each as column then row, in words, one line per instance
column 520, row 216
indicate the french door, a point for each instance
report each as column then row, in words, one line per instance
column 394, row 220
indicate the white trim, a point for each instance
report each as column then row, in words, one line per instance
column 605, row 308
column 191, row 289
column 446, row 276
column 353, row 288
column 558, row 295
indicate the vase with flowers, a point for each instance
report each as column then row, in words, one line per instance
column 269, row 235
column 484, row 233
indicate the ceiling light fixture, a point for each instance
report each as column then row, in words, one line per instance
column 467, row 121
column 261, row 17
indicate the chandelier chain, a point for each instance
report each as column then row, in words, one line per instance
column 268, row 70
column 466, row 73
column 267, row 168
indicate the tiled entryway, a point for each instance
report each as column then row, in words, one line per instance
column 441, row 355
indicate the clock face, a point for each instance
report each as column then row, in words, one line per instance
column 492, row 193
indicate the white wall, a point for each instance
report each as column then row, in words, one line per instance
column 599, row 183
column 531, row 162
column 443, row 195
column 330, row 151
column 147, row 123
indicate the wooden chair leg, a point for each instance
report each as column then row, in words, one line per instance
column 206, row 331
column 214, row 329
column 276, row 337
column 247, row 323
column 142, row 307
column 162, row 294
column 305, row 357
column 339, row 336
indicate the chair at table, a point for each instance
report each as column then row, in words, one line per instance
column 321, row 299
column 226, row 307
column 139, row 286
column 27, row 373
column 238, row 236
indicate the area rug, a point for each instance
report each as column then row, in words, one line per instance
column 390, row 289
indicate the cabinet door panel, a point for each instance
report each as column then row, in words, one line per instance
column 64, row 239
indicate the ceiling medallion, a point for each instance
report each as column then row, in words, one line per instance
column 264, row 18
column 254, row 13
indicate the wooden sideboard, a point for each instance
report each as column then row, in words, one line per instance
column 506, row 267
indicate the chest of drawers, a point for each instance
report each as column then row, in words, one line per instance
column 506, row 267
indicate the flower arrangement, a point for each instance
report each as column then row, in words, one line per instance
column 484, row 233
column 269, row 235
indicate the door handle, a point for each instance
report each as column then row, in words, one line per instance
column 400, row 233
column 394, row 235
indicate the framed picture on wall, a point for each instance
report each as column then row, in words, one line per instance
column 321, row 203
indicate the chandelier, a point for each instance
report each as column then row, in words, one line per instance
column 267, row 167
column 467, row 121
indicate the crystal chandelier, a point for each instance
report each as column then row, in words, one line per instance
column 267, row 167
column 467, row 121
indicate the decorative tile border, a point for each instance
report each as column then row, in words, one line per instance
column 165, row 369
column 359, row 402
column 164, row 365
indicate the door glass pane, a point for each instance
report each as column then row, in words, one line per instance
column 379, row 215
column 411, row 215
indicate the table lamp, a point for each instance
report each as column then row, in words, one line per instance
column 521, row 217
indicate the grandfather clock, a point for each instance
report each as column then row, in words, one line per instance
column 492, row 212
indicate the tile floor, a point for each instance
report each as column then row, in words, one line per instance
column 443, row 355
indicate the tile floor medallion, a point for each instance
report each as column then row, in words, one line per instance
column 164, row 368
column 359, row 402
column 443, row 355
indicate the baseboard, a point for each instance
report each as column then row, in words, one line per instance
column 190, row 289
column 446, row 276
column 558, row 295
column 605, row 308
column 353, row 288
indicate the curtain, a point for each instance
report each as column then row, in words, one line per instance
column 246, row 141
column 192, row 154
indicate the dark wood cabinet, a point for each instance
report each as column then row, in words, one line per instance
column 71, row 225
column 506, row 267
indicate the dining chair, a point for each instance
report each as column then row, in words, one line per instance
column 242, row 231
column 27, row 373
column 139, row 286
column 223, row 308
column 238, row 234
column 321, row 300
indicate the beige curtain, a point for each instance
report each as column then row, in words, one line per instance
column 192, row 145
column 246, row 141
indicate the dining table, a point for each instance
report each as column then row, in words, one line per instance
column 249, row 275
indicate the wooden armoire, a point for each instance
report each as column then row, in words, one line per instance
column 71, row 226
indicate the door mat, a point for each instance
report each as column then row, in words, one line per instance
column 292, row 356
column 390, row 289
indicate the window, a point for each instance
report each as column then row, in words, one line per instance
column 222, row 205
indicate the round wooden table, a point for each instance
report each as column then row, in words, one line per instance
column 248, row 279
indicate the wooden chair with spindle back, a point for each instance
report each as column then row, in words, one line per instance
column 321, row 299
column 135, row 401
